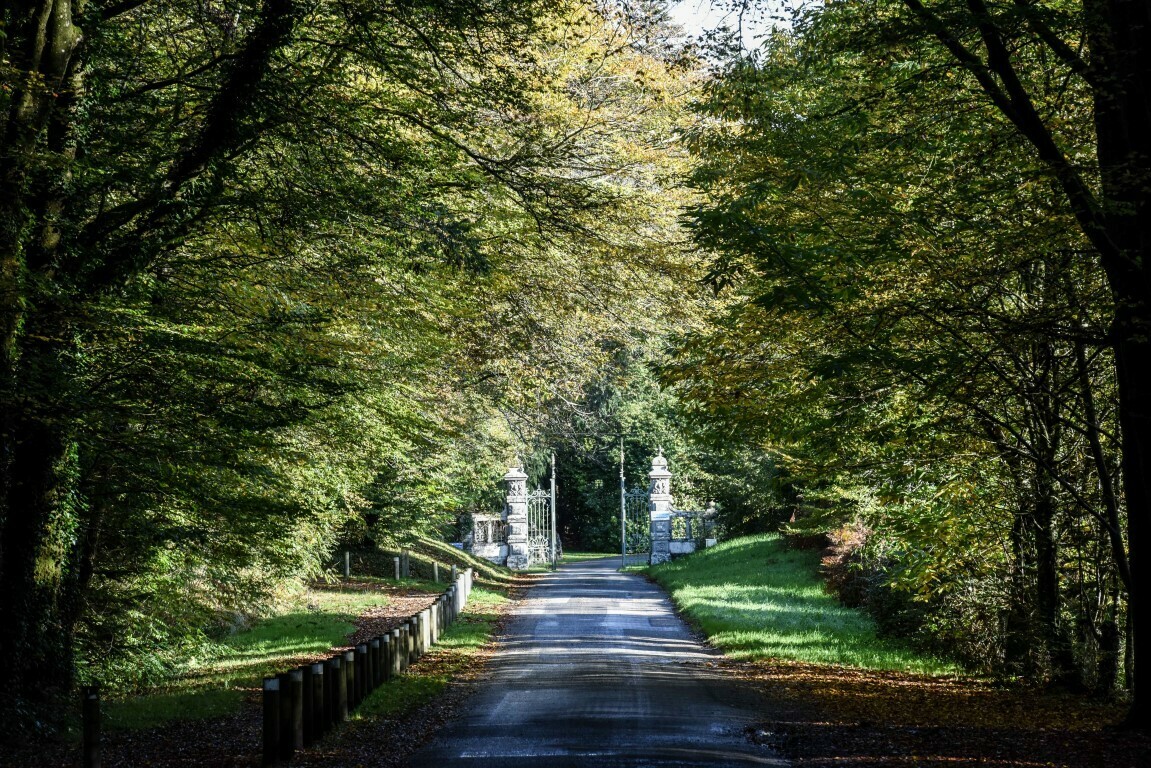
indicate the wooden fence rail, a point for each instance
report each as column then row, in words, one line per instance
column 304, row 704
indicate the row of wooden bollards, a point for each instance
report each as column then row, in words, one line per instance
column 302, row 705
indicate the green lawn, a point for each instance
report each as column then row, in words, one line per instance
column 756, row 599
column 579, row 557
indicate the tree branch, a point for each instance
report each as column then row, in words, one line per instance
column 1013, row 101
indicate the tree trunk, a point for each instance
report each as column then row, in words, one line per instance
column 1017, row 634
column 35, row 542
column 1133, row 364
column 1063, row 670
column 1119, row 34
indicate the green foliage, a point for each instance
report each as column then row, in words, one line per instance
column 916, row 331
column 304, row 275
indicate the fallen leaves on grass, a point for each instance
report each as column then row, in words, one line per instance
column 384, row 618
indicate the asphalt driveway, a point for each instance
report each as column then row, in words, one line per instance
column 597, row 670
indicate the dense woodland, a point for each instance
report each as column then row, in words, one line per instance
column 277, row 275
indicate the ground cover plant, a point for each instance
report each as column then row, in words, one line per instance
column 755, row 598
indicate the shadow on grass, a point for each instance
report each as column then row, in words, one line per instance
column 215, row 683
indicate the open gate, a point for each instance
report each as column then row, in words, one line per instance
column 540, row 527
column 635, row 527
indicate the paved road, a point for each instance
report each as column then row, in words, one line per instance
column 597, row 670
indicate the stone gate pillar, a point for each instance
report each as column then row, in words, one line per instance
column 517, row 517
column 660, row 509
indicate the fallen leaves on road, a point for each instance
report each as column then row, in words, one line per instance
column 823, row 716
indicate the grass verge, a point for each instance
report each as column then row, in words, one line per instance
column 424, row 552
column 757, row 599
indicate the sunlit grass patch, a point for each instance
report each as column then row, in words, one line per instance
column 579, row 557
column 757, row 599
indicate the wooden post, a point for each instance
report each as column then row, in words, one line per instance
column 347, row 564
column 455, row 575
column 307, row 731
column 385, row 658
column 287, row 706
column 296, row 680
column 434, row 621
column 271, row 721
column 329, row 695
column 417, row 631
column 435, row 572
column 396, row 560
column 413, row 640
column 397, row 652
column 375, row 650
column 363, row 673
column 340, row 691
column 410, row 641
column 90, row 715
column 349, row 682
column 316, row 694
column 425, row 630
column 406, row 564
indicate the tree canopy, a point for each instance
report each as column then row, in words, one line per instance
column 279, row 274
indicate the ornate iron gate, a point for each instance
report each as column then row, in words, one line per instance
column 636, row 527
column 539, row 527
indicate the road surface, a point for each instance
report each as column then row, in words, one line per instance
column 597, row 670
